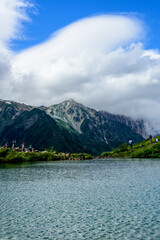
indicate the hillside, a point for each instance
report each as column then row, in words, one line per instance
column 92, row 124
column 41, row 131
column 144, row 149
column 67, row 127
column 9, row 110
column 137, row 126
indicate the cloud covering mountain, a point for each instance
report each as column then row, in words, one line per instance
column 99, row 61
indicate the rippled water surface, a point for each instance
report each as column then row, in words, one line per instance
column 97, row 199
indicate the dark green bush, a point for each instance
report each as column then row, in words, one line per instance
column 30, row 156
column 106, row 154
column 156, row 147
column 49, row 156
column 4, row 152
column 87, row 156
column 124, row 147
column 14, row 157
column 141, row 153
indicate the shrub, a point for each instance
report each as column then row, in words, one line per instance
column 141, row 153
column 124, row 147
column 14, row 157
column 4, row 152
column 105, row 154
column 87, row 156
column 30, row 156
column 49, row 156
column 156, row 147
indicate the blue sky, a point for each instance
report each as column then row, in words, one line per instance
column 52, row 15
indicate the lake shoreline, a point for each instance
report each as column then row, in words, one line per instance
column 8, row 155
column 143, row 150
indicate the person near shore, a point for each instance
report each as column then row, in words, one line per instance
column 131, row 143
column 14, row 144
column 156, row 139
column 6, row 145
column 30, row 148
column 150, row 138
column 22, row 146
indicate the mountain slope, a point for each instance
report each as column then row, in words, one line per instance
column 9, row 110
column 37, row 128
column 70, row 112
column 68, row 127
column 92, row 123
column 40, row 130
column 137, row 126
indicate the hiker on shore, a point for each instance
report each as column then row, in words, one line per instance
column 22, row 146
column 14, row 144
column 131, row 143
column 30, row 148
column 6, row 145
column 150, row 138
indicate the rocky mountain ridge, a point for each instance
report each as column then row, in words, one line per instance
column 88, row 130
column 74, row 114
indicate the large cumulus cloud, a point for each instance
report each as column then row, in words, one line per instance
column 77, row 60
column 99, row 61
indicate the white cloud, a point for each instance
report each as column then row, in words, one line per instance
column 97, row 61
column 76, row 57
column 12, row 14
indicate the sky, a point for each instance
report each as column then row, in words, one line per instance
column 104, row 54
column 51, row 15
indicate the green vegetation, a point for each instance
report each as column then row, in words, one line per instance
column 8, row 155
column 144, row 149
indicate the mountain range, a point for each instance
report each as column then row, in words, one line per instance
column 66, row 127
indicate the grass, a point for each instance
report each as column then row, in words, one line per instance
column 11, row 156
column 144, row 149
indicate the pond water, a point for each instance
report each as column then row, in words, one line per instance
column 96, row 199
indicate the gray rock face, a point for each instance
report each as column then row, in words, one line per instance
column 92, row 123
column 138, row 126
column 72, row 113
column 13, row 109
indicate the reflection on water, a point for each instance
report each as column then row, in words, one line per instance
column 97, row 199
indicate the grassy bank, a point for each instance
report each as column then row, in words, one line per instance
column 144, row 149
column 8, row 155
